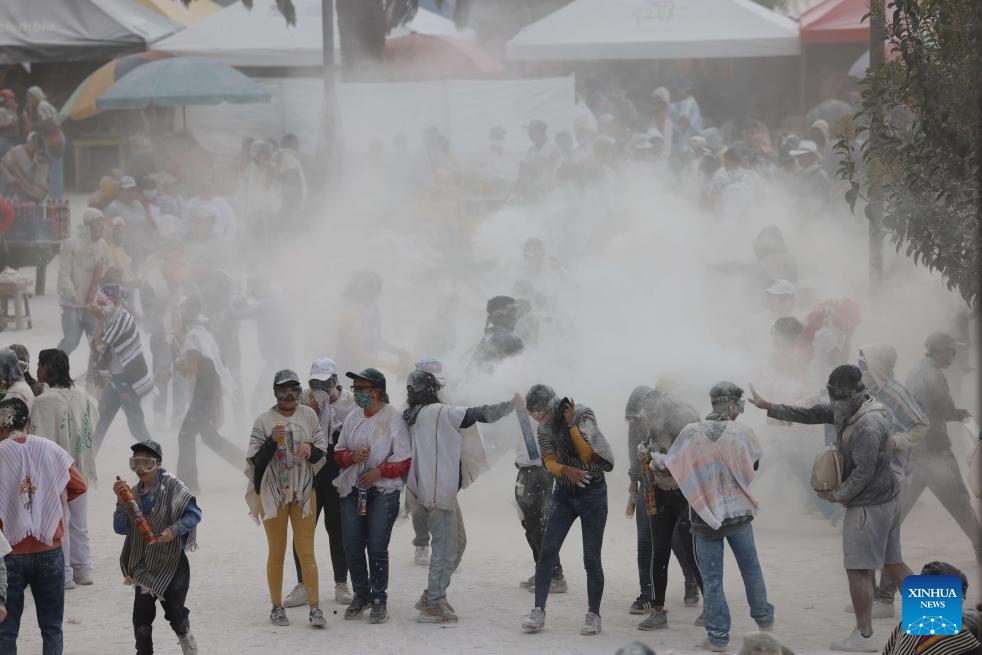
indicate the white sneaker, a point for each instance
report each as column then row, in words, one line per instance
column 535, row 620
column 422, row 557
column 70, row 584
column 857, row 643
column 83, row 577
column 591, row 624
column 296, row 598
column 342, row 595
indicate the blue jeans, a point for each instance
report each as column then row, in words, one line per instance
column 449, row 541
column 44, row 573
column 716, row 613
column 568, row 503
column 118, row 396
column 75, row 321
column 369, row 535
column 56, row 178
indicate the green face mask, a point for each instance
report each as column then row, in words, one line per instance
column 362, row 399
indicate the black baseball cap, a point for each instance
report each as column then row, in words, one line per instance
column 149, row 446
column 286, row 376
column 371, row 375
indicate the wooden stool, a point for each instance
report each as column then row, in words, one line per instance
column 22, row 306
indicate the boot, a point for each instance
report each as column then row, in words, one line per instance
column 691, row 593
column 188, row 645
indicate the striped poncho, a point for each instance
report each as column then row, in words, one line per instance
column 713, row 463
column 123, row 358
column 152, row 567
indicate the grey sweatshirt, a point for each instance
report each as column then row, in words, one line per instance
column 865, row 447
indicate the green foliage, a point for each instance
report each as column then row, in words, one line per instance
column 920, row 137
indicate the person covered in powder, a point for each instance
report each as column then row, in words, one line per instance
column 655, row 420
column 870, row 491
column 35, row 475
column 374, row 454
column 360, row 339
column 24, row 361
column 332, row 403
column 933, row 464
column 713, row 462
column 201, row 362
column 158, row 571
column 447, row 456
column 12, row 382
column 82, row 261
column 66, row 414
column 120, row 362
column 575, row 451
column 286, row 450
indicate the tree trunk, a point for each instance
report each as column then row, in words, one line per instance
column 362, row 29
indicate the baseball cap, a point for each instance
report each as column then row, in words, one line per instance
column 781, row 288
column 805, row 148
column 149, row 445
column 661, row 95
column 285, row 376
column 371, row 375
column 323, row 369
column 431, row 365
column 127, row 182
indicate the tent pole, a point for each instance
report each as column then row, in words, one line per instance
column 184, row 118
column 802, row 73
column 329, row 141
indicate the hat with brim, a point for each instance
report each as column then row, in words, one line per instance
column 371, row 375
column 805, row 148
column 323, row 369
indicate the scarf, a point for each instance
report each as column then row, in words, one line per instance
column 152, row 567
column 33, row 477
column 713, row 463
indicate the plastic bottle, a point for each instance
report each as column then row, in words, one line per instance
column 138, row 517
column 282, row 460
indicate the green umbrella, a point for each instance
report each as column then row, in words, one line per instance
column 181, row 81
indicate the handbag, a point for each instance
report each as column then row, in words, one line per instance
column 827, row 470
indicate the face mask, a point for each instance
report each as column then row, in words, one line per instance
column 287, row 393
column 363, row 399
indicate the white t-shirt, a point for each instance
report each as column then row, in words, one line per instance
column 386, row 436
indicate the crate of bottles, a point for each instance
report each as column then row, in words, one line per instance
column 48, row 221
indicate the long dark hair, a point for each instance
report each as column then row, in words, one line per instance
column 56, row 363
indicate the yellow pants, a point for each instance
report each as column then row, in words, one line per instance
column 303, row 541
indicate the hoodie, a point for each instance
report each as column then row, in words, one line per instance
column 863, row 440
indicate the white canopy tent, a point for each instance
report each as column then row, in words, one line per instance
column 261, row 38
column 656, row 29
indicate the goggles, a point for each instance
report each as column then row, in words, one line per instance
column 145, row 463
column 287, row 392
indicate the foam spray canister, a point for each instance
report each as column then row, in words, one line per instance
column 141, row 521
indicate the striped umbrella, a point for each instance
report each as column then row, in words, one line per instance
column 81, row 104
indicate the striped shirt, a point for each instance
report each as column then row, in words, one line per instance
column 559, row 444
column 124, row 359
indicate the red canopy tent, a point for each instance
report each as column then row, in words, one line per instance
column 836, row 21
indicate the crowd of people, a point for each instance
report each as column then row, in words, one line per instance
column 158, row 280
column 32, row 147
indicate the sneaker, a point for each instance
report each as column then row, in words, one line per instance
column 691, row 598
column 856, row 643
column 296, row 598
column 591, row 624
column 70, row 584
column 83, row 578
column 439, row 613
column 528, row 584
column 535, row 620
column 342, row 595
column 657, row 620
column 421, row 603
column 278, row 617
column 422, row 557
column 188, row 645
column 710, row 646
column 641, row 605
column 317, row 619
column 358, row 605
column 699, row 620
column 379, row 613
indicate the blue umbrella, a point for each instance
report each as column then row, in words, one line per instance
column 181, row 81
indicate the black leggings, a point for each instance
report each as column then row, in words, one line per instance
column 329, row 502
column 673, row 513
